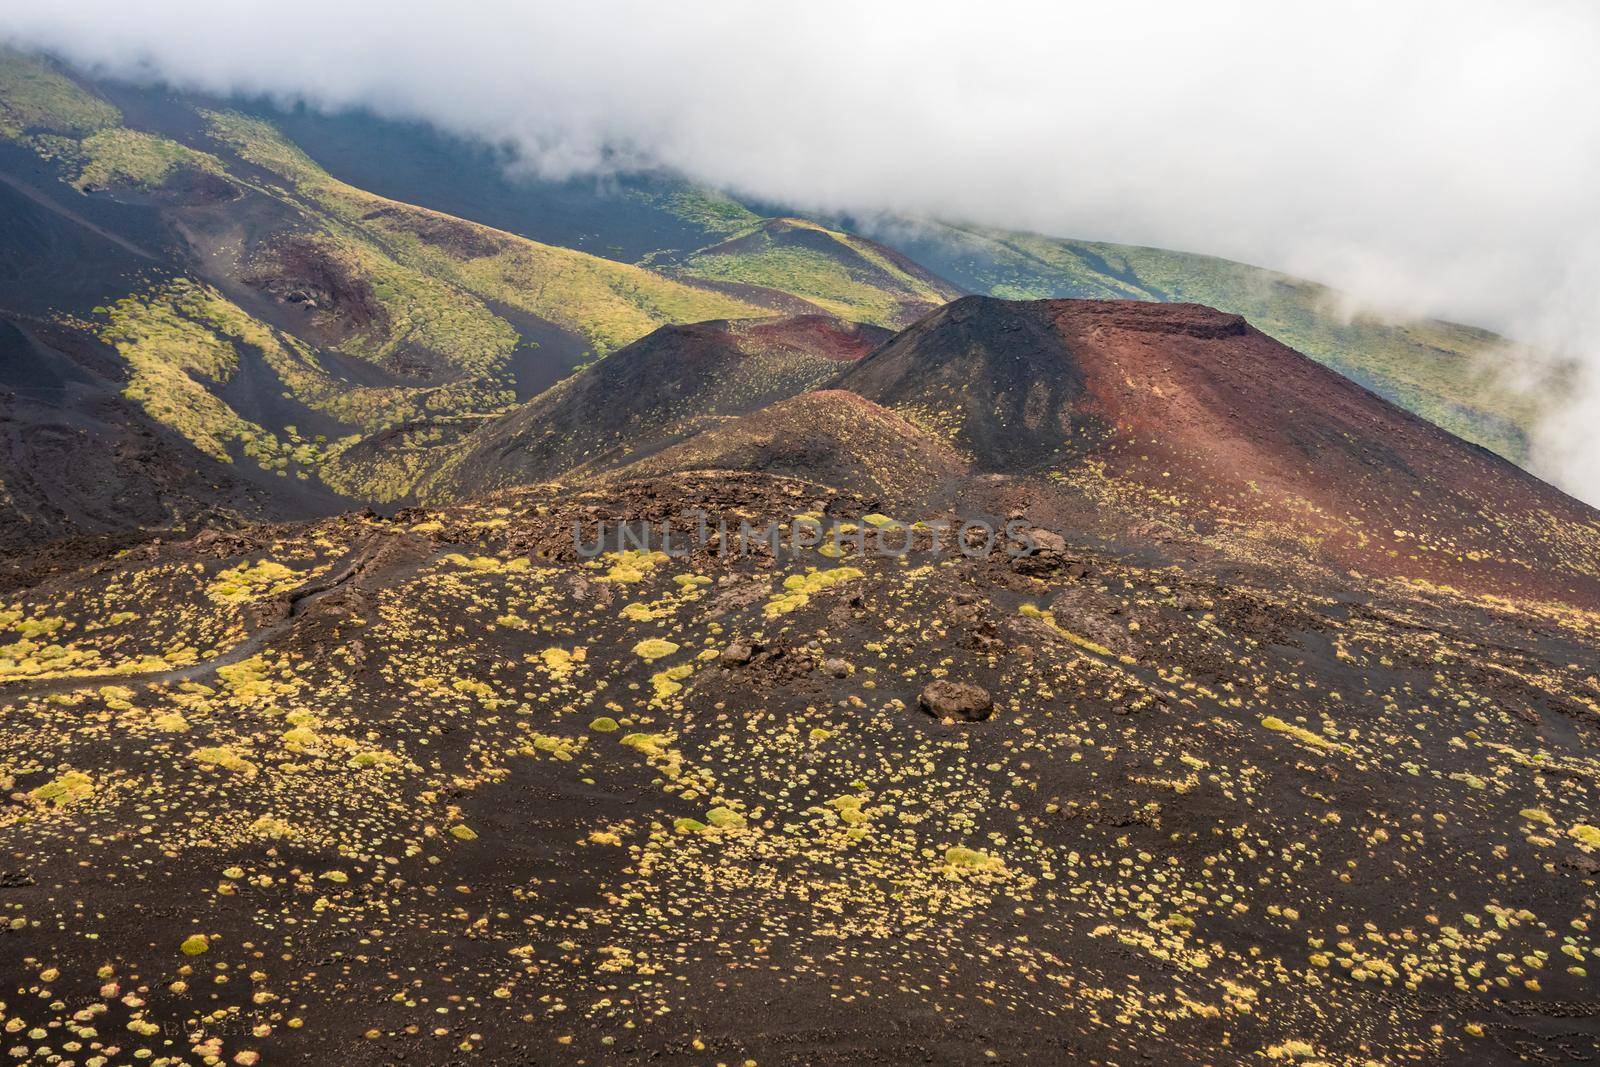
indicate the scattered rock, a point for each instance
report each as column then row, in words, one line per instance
column 956, row 700
column 738, row 653
column 1040, row 551
column 1046, row 542
column 837, row 667
column 1584, row 863
column 1158, row 531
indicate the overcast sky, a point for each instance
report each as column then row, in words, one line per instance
column 1439, row 158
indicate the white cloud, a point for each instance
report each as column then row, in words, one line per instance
column 1424, row 156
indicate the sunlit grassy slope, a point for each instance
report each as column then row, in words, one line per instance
column 43, row 108
column 253, row 334
column 35, row 98
column 840, row 272
column 607, row 302
column 1444, row 372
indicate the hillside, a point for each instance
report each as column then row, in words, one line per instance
column 448, row 788
column 845, row 275
column 1197, row 419
column 316, row 340
column 83, row 470
column 640, row 398
column 1454, row 376
column 315, row 344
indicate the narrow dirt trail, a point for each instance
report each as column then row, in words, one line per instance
column 348, row 567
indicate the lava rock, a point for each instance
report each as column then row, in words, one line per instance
column 1043, row 551
column 1158, row 531
column 738, row 653
column 956, row 700
column 1047, row 542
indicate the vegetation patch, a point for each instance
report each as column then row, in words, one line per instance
column 1301, row 734
column 35, row 97
column 798, row 589
column 252, row 581
column 64, row 790
column 668, row 683
column 561, row 663
column 223, row 758
column 136, row 158
column 631, row 565
column 654, row 648
column 725, row 818
column 962, row 860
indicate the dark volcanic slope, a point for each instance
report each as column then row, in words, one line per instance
column 80, row 461
column 833, row 437
column 1196, row 418
column 651, row 392
column 444, row 788
column 434, row 790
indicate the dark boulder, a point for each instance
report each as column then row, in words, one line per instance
column 956, row 700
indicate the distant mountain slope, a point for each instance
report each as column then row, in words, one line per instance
column 848, row 276
column 605, row 302
column 1451, row 375
column 622, row 217
column 1192, row 416
column 647, row 394
column 283, row 323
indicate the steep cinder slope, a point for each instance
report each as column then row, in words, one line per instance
column 1450, row 374
column 650, row 393
column 1195, row 414
column 829, row 436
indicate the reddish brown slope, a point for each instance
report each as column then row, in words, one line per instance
column 1193, row 415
